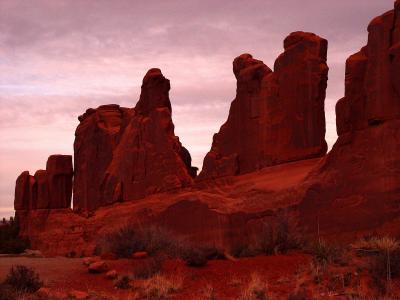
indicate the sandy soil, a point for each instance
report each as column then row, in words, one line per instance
column 226, row 277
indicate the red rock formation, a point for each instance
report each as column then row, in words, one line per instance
column 59, row 177
column 124, row 154
column 24, row 195
column 276, row 116
column 358, row 186
column 355, row 189
column 50, row 188
column 96, row 137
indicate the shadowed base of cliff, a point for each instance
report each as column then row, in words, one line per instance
column 217, row 212
column 231, row 211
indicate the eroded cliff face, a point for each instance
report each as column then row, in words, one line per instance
column 358, row 185
column 47, row 189
column 124, row 154
column 277, row 116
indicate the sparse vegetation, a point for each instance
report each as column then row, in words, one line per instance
column 385, row 259
column 256, row 289
column 130, row 239
column 299, row 295
column 325, row 252
column 23, row 279
column 195, row 257
column 159, row 244
column 272, row 238
column 10, row 242
column 146, row 268
column 207, row 293
column 160, row 287
column 123, row 283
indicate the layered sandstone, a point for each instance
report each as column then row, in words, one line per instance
column 47, row 189
column 277, row 116
column 358, row 185
column 96, row 137
column 124, row 154
column 354, row 190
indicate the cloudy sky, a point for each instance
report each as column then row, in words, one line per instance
column 58, row 58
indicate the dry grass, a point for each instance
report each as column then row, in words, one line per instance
column 256, row 289
column 161, row 286
column 207, row 293
column 384, row 243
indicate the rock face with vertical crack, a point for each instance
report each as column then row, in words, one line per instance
column 360, row 178
column 277, row 116
column 47, row 189
column 124, row 154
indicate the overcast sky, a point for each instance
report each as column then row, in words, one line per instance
column 57, row 58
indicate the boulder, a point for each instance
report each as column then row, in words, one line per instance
column 87, row 261
column 276, row 117
column 125, row 154
column 140, row 255
column 78, row 295
column 98, row 267
column 32, row 253
column 112, row 274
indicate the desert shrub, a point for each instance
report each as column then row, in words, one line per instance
column 7, row 292
column 324, row 252
column 384, row 252
column 23, row 279
column 160, row 287
column 208, row 293
column 272, row 238
column 10, row 242
column 130, row 239
column 255, row 290
column 157, row 242
column 123, row 283
column 194, row 257
column 212, row 252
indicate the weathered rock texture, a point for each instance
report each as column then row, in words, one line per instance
column 226, row 213
column 47, row 189
column 124, row 154
column 354, row 190
column 358, row 185
column 277, row 116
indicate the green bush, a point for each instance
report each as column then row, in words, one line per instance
column 23, row 279
column 10, row 242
